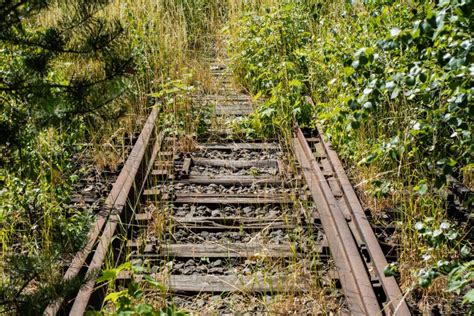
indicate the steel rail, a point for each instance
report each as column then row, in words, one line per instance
column 395, row 300
column 354, row 278
column 115, row 203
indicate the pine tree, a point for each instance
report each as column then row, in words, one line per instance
column 33, row 88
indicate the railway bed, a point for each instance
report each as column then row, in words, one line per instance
column 238, row 226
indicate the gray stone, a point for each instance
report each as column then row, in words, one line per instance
column 181, row 213
column 178, row 266
column 273, row 214
column 187, row 271
column 200, row 303
column 201, row 268
column 216, row 270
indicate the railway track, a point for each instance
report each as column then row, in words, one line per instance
column 238, row 226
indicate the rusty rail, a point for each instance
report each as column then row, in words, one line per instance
column 348, row 231
column 115, row 203
column 395, row 301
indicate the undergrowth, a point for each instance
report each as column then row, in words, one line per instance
column 392, row 85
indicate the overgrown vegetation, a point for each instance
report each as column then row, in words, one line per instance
column 54, row 76
column 392, row 85
column 132, row 300
column 270, row 63
column 391, row 81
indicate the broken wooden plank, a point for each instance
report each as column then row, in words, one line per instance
column 228, row 250
column 162, row 164
column 233, row 110
column 226, row 283
column 224, row 250
column 229, row 98
column 142, row 245
column 143, row 218
column 153, row 251
column 320, row 153
column 231, row 200
column 236, row 164
column 234, row 180
column 166, row 154
column 240, row 146
column 335, row 187
column 233, row 283
column 161, row 174
column 242, row 198
column 237, row 221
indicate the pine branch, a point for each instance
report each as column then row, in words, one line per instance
column 27, row 86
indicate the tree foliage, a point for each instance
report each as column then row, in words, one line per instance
column 52, row 73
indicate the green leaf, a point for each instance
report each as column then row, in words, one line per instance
column 421, row 189
column 111, row 274
column 114, row 296
column 148, row 279
column 390, row 270
column 295, row 83
column 138, row 268
column 395, row 93
column 268, row 112
column 144, row 309
column 390, row 85
column 452, row 235
column 469, row 297
column 107, row 275
column 465, row 251
column 424, row 282
column 368, row 105
column 451, row 162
